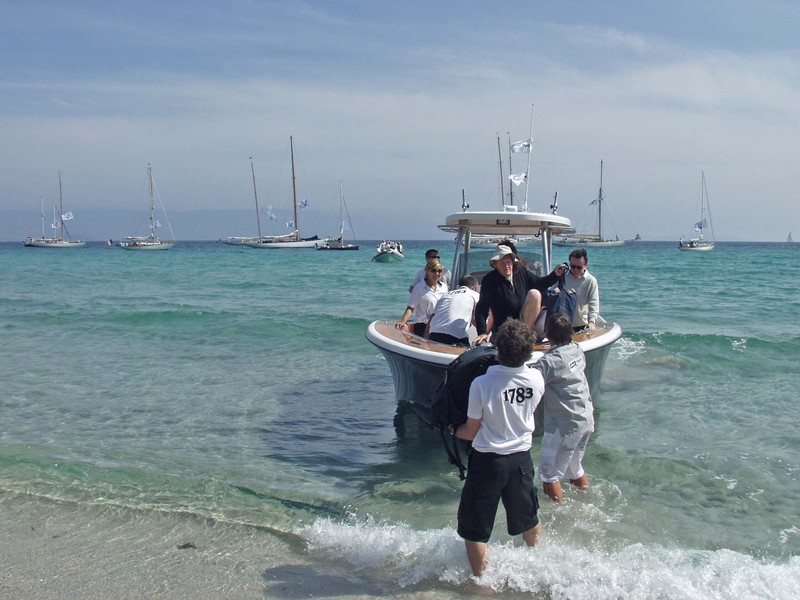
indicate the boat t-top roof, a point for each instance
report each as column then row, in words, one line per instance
column 508, row 222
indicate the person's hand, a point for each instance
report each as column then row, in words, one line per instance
column 399, row 325
column 480, row 339
column 592, row 326
column 562, row 269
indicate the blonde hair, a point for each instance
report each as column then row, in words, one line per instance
column 434, row 264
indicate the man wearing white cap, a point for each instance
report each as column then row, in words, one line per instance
column 510, row 291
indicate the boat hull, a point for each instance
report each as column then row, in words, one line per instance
column 418, row 365
column 705, row 247
column 333, row 247
column 288, row 244
column 386, row 257
column 53, row 243
column 146, row 246
column 589, row 244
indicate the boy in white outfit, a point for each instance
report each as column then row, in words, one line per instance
column 568, row 410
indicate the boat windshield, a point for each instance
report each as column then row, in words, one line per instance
column 475, row 261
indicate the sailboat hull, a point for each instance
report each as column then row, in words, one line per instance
column 52, row 243
column 146, row 245
column 287, row 244
column 589, row 244
column 697, row 247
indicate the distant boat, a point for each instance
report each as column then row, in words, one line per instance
column 293, row 239
column 789, row 239
column 389, row 252
column 245, row 240
column 152, row 241
column 591, row 240
column 344, row 223
column 62, row 240
column 700, row 243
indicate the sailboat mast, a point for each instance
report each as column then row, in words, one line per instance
column 41, row 201
column 60, row 206
column 600, row 206
column 502, row 183
column 255, row 195
column 294, row 193
column 341, row 212
column 152, row 203
column 528, row 168
column 510, row 183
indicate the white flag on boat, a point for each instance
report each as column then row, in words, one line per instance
column 522, row 146
column 290, row 224
column 271, row 216
column 54, row 225
column 67, row 216
column 700, row 225
column 518, row 178
column 303, row 204
column 156, row 224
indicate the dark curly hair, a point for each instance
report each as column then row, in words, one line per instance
column 558, row 329
column 514, row 342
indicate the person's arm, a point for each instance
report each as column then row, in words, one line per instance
column 482, row 310
column 403, row 322
column 594, row 304
column 542, row 283
column 467, row 431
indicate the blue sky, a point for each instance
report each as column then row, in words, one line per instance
column 402, row 102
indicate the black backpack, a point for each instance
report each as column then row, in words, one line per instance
column 450, row 400
column 558, row 300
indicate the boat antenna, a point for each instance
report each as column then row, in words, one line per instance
column 464, row 205
column 554, row 205
column 528, row 169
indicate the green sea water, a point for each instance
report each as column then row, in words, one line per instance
column 227, row 397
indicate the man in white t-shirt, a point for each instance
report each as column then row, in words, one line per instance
column 454, row 314
column 500, row 424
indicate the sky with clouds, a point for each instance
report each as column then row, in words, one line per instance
column 403, row 102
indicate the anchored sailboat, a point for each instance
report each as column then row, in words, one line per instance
column 62, row 240
column 344, row 223
column 700, row 243
column 591, row 240
column 293, row 239
column 152, row 241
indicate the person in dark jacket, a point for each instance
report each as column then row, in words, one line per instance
column 510, row 291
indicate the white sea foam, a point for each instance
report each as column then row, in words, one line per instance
column 554, row 569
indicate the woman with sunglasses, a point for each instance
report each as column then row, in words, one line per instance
column 423, row 299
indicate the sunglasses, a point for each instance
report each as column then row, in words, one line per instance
column 437, row 270
column 571, row 266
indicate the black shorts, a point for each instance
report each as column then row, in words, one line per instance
column 446, row 338
column 418, row 329
column 490, row 478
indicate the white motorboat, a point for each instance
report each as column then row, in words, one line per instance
column 418, row 365
column 152, row 241
column 388, row 252
column 700, row 243
column 62, row 240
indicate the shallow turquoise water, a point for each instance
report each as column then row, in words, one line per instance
column 235, row 386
